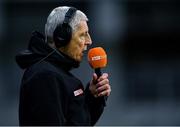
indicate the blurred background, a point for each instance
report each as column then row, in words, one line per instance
column 141, row 39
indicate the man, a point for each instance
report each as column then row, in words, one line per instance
column 50, row 94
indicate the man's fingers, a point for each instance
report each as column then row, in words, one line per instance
column 104, row 76
column 105, row 93
column 104, row 81
column 94, row 80
column 103, row 88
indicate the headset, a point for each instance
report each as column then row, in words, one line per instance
column 63, row 32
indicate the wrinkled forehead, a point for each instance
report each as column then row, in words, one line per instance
column 82, row 26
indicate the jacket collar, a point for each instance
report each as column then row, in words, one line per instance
column 38, row 51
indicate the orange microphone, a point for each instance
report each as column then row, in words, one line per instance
column 98, row 59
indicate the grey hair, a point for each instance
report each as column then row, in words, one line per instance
column 56, row 17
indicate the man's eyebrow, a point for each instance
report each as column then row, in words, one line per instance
column 84, row 32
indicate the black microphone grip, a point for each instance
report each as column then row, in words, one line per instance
column 99, row 73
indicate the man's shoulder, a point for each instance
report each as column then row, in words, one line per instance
column 43, row 68
column 42, row 72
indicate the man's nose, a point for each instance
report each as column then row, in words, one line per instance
column 88, row 40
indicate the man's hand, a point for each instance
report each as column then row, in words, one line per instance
column 100, row 87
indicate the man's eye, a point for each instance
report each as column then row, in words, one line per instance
column 84, row 35
column 82, row 38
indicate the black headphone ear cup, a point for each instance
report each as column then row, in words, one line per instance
column 62, row 35
column 63, row 32
column 68, row 33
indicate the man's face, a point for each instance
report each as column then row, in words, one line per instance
column 79, row 42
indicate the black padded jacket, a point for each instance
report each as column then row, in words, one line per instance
column 50, row 94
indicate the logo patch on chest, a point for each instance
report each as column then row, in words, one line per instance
column 78, row 92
